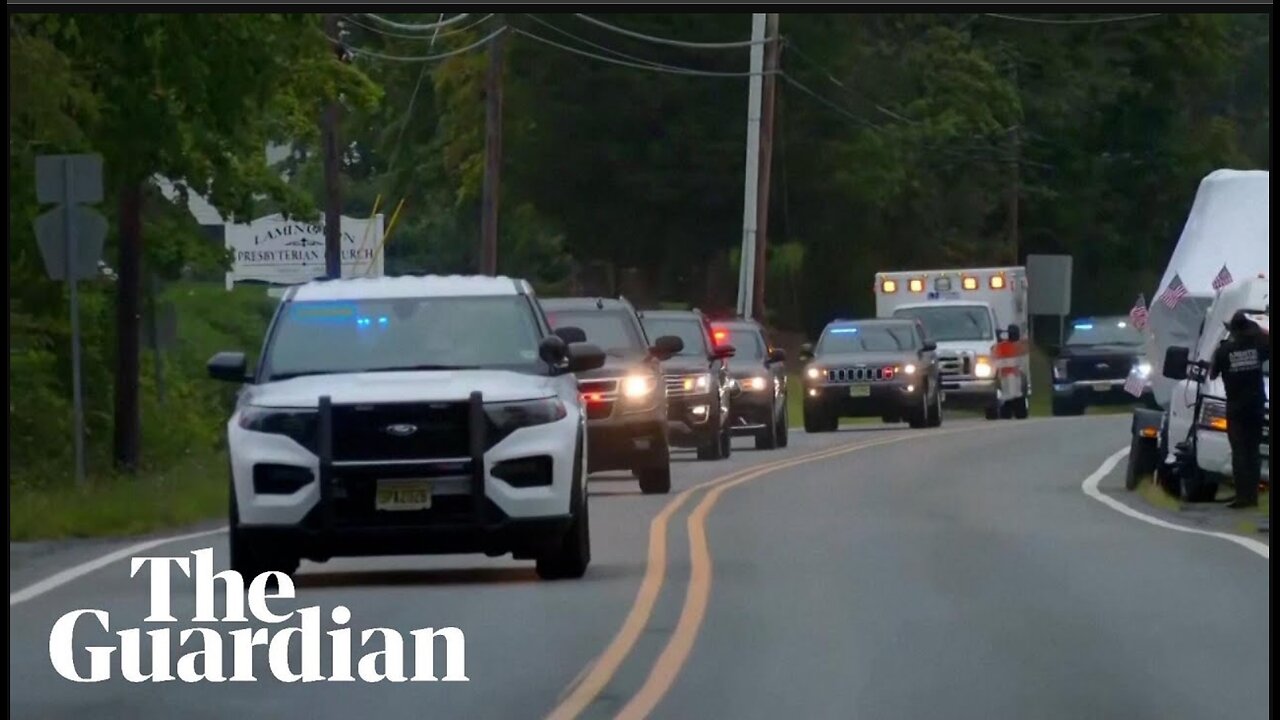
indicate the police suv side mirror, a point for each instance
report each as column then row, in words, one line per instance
column 585, row 356
column 806, row 352
column 667, row 346
column 1014, row 333
column 1176, row 360
column 553, row 350
column 928, row 346
column 571, row 335
column 228, row 366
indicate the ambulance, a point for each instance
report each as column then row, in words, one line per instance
column 978, row 318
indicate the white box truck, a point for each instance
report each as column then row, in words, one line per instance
column 978, row 318
column 1184, row 443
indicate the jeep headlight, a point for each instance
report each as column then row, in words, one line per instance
column 696, row 383
column 813, row 373
column 983, row 369
column 299, row 424
column 1213, row 415
column 638, row 387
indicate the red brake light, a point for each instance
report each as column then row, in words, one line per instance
column 720, row 336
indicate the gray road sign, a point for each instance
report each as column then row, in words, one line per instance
column 79, row 175
column 1049, row 284
column 88, row 231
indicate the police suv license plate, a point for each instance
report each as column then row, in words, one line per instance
column 859, row 391
column 403, row 494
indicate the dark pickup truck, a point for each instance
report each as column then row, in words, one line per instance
column 1091, row 368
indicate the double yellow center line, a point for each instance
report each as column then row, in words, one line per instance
column 593, row 681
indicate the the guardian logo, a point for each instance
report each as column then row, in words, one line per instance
column 201, row 651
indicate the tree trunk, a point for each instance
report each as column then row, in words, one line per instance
column 128, row 420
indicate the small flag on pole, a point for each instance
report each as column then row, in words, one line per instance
column 1138, row 314
column 1134, row 385
column 1174, row 293
column 1223, row 278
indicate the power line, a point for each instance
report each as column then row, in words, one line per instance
column 651, row 63
column 408, row 36
column 413, row 26
column 656, row 67
column 834, row 106
column 670, row 41
column 1093, row 21
column 408, row 115
column 430, row 58
column 830, row 76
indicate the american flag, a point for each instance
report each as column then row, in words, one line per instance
column 1135, row 385
column 1223, row 278
column 1174, row 293
column 1138, row 314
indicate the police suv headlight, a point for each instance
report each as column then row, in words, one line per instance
column 638, row 387
column 909, row 369
column 299, row 424
column 755, row 384
column 696, row 383
column 1141, row 368
column 1213, row 415
column 1059, row 369
column 507, row 417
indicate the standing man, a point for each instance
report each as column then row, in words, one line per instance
column 1239, row 359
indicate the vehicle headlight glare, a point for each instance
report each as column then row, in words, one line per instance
column 1142, row 368
column 696, row 383
column 635, row 387
column 813, row 373
column 755, row 383
column 983, row 369
column 1060, row 369
column 909, row 369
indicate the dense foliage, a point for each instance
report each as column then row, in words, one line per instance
column 902, row 141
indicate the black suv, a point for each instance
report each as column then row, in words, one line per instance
column 1099, row 356
column 869, row 368
column 625, row 399
column 698, row 383
column 760, row 371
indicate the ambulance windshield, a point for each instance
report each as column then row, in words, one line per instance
column 944, row 323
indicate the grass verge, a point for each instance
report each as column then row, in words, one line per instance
column 118, row 505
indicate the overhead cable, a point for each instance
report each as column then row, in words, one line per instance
column 410, row 36
column 427, row 58
column 416, row 26
column 1089, row 21
column 656, row 67
column 671, row 41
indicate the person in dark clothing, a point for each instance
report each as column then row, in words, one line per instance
column 1239, row 359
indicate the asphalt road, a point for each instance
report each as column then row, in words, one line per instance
column 956, row 573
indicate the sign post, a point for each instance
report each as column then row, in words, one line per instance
column 1049, row 288
column 70, row 238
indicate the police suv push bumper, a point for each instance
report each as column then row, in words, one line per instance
column 472, row 508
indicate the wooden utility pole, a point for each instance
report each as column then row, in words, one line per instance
column 1015, row 179
column 1015, row 182
column 772, row 58
column 128, row 416
column 332, row 170
column 492, row 154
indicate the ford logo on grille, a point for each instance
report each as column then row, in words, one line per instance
column 401, row 430
column 1102, row 366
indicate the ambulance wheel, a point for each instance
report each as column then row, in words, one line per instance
column 1020, row 409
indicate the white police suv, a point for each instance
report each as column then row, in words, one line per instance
column 409, row 415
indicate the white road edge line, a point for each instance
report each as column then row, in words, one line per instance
column 57, row 580
column 1090, row 487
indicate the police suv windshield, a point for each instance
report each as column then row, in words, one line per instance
column 613, row 331
column 747, row 344
column 1104, row 331
column 690, row 331
column 869, row 337
column 322, row 337
column 951, row 322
